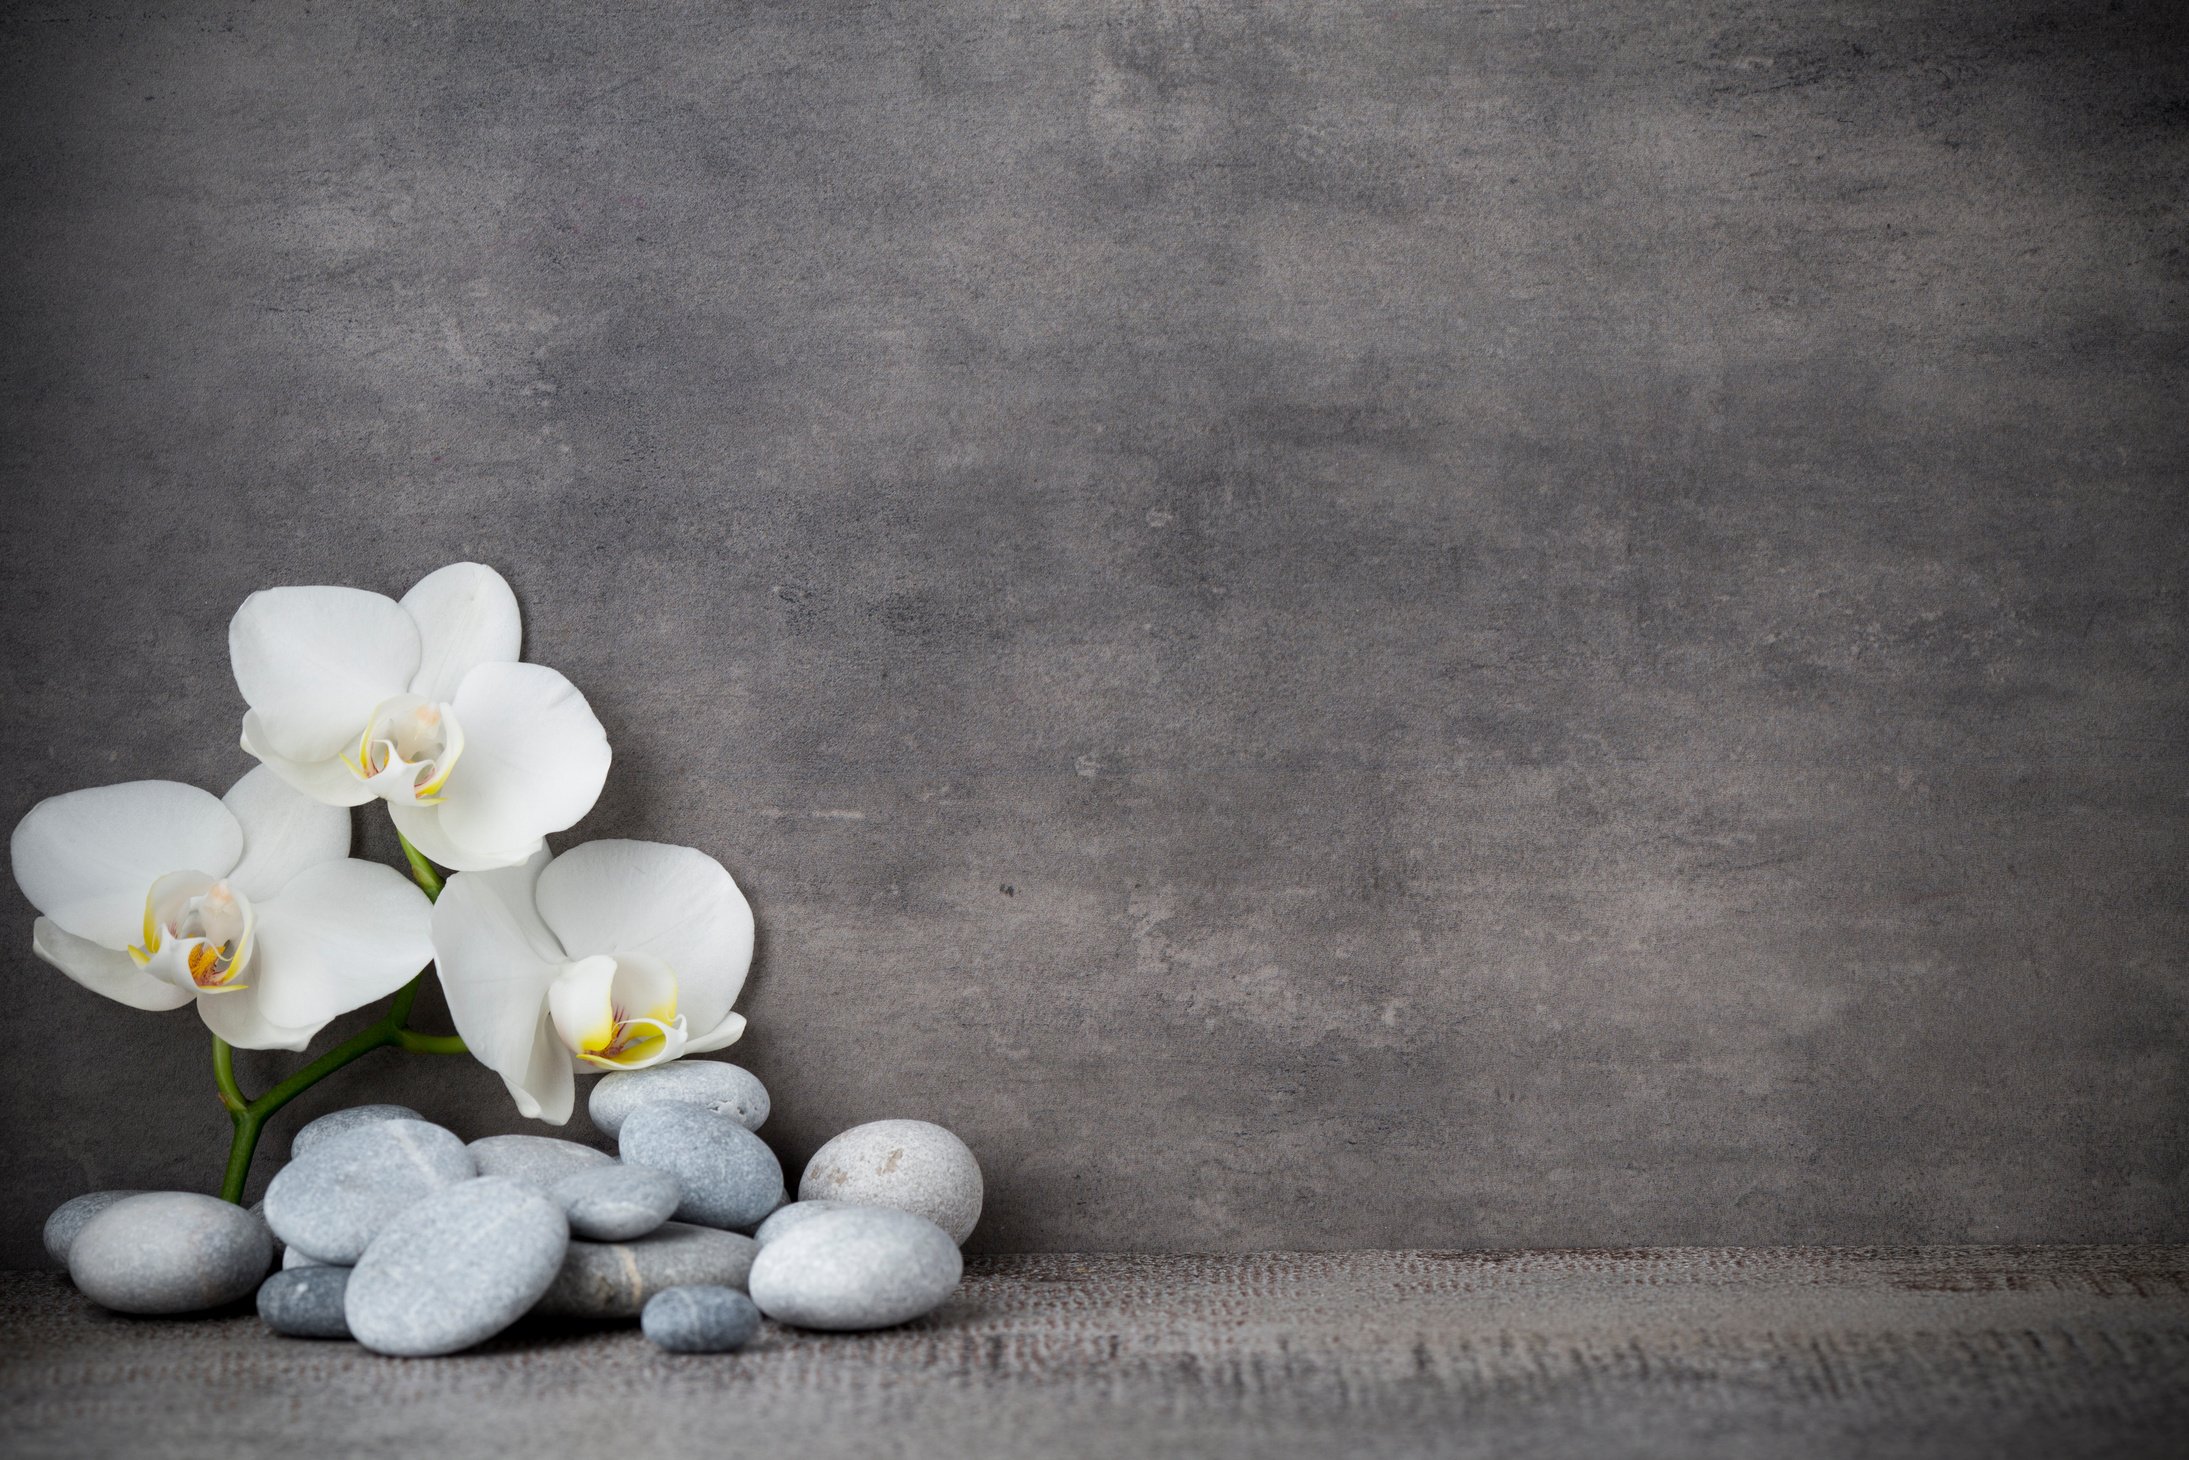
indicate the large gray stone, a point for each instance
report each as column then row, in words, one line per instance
column 331, row 1202
column 614, row 1280
column 616, row 1202
column 170, row 1252
column 860, row 1267
column 725, row 1089
column 306, row 1303
column 342, row 1122
column 71, row 1216
column 783, row 1219
column 456, row 1269
column 729, row 1176
column 700, row 1320
column 912, row 1165
column 540, row 1161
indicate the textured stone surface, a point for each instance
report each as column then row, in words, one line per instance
column 728, row 1175
column 700, row 1320
column 912, row 1165
column 783, row 1219
column 856, row 1268
column 342, row 1122
column 615, row 1279
column 169, row 1252
column 724, row 1088
column 615, row 1203
column 307, row 1303
column 333, row 1201
column 1885, row 1354
column 70, row 1217
column 1567, row 613
column 539, row 1161
column 456, row 1269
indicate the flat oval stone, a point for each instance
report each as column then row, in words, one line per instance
column 725, row 1089
column 456, row 1269
column 170, row 1252
column 342, row 1122
column 912, row 1165
column 306, row 1303
column 540, row 1160
column 616, row 1279
column 784, row 1218
column 615, row 1203
column 700, row 1320
column 333, row 1200
column 859, row 1267
column 71, row 1216
column 730, row 1177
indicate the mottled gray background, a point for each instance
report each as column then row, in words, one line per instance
column 1388, row 625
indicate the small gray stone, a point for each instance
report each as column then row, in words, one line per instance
column 170, row 1252
column 912, row 1165
column 539, row 1161
column 306, row 1303
column 782, row 1219
column 334, row 1200
column 730, row 1177
column 615, row 1203
column 456, row 1269
column 615, row 1280
column 859, row 1267
column 70, row 1217
column 700, row 1320
column 725, row 1089
column 341, row 1122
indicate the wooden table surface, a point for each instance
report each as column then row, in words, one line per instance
column 2048, row 1351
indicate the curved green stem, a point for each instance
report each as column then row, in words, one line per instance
column 392, row 1029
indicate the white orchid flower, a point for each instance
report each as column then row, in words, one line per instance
column 609, row 955
column 158, row 894
column 423, row 704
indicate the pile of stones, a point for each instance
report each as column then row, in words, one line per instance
column 392, row 1231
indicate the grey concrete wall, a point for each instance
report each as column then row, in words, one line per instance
column 1413, row 625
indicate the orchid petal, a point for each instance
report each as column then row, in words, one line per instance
column 547, row 1088
column 340, row 935
column 86, row 859
column 722, row 1036
column 424, row 829
column 103, row 970
column 486, row 942
column 466, row 616
column 284, row 831
column 238, row 1015
column 314, row 661
column 330, row 781
column 534, row 761
column 675, row 904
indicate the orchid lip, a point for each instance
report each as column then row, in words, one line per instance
column 197, row 933
column 407, row 751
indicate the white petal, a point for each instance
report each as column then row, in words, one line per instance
column 722, row 1036
column 424, row 828
column 314, row 661
column 331, row 781
column 340, row 935
column 103, row 970
column 239, row 1016
column 534, row 760
column 284, row 831
column 492, row 970
column 547, row 1088
column 466, row 616
column 675, row 903
column 87, row 859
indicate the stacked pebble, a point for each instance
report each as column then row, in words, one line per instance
column 401, row 1236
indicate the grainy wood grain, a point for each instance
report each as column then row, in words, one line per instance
column 1676, row 1352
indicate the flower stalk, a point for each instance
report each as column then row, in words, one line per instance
column 249, row 1116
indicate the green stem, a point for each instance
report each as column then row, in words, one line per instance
column 392, row 1029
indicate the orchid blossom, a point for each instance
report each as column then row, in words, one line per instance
column 609, row 956
column 424, row 705
column 158, row 894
